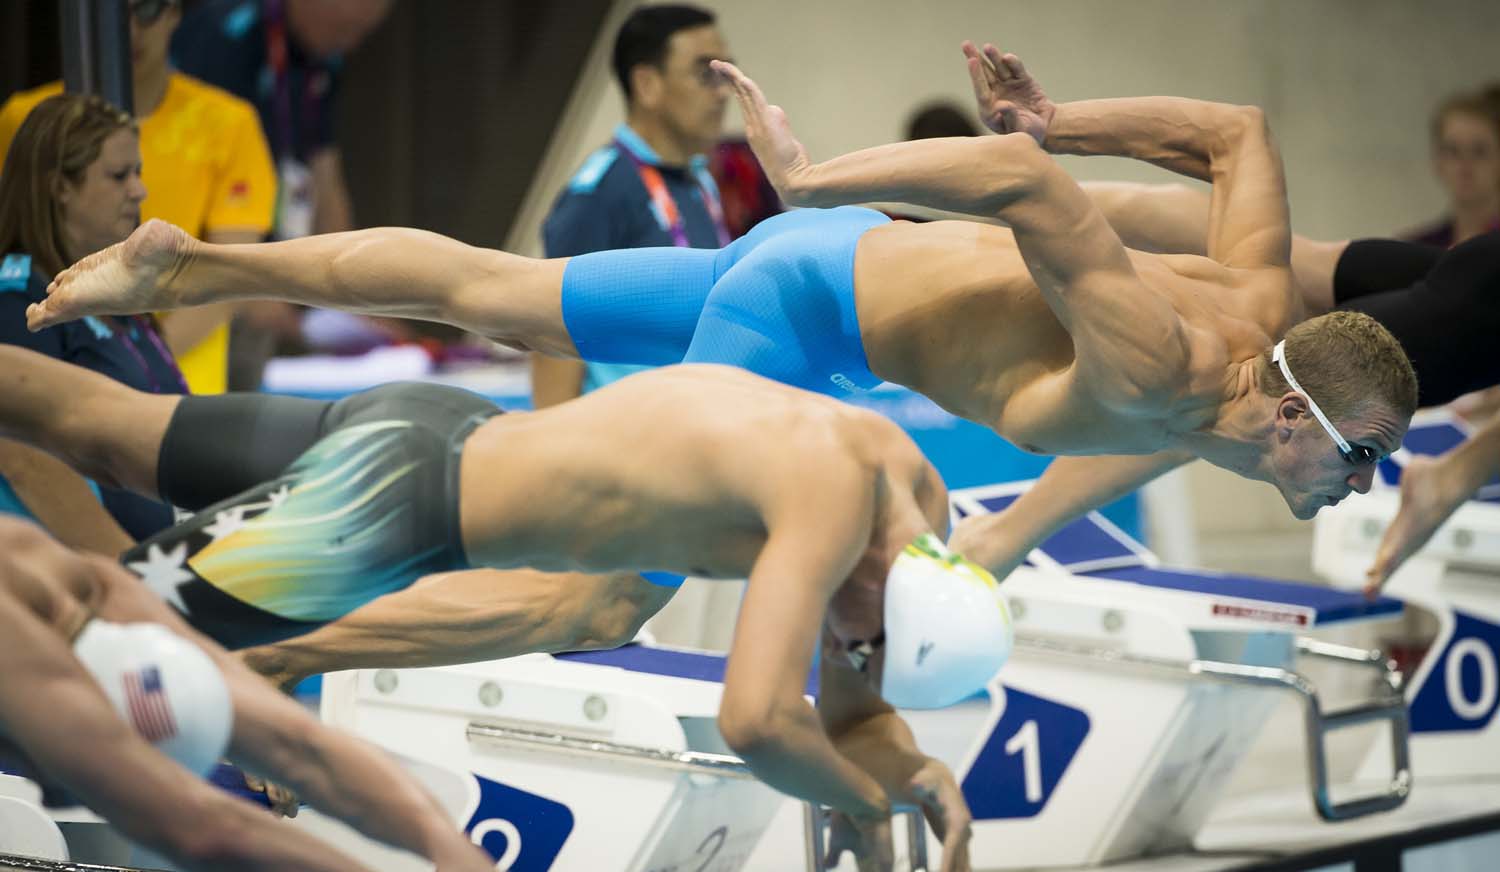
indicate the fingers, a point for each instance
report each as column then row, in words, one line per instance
column 745, row 89
column 1385, row 560
column 980, row 79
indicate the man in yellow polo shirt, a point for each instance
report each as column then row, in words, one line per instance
column 206, row 167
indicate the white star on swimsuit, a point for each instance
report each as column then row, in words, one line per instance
column 226, row 522
column 278, row 496
column 164, row 573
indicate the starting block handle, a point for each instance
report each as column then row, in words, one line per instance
column 815, row 819
column 1391, row 707
column 1318, row 725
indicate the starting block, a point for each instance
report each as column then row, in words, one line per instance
column 1454, row 690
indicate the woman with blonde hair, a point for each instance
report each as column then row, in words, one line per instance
column 70, row 187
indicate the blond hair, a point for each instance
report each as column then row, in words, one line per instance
column 1346, row 362
column 59, row 140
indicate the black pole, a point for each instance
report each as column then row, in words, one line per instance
column 96, row 49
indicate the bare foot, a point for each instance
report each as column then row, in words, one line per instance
column 128, row 278
column 1432, row 488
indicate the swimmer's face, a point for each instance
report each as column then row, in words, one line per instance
column 105, row 205
column 1466, row 156
column 1309, row 470
column 688, row 96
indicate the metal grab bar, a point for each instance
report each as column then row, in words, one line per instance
column 693, row 762
column 815, row 818
column 1317, row 724
column 17, row 863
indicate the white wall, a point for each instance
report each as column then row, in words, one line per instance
column 1347, row 84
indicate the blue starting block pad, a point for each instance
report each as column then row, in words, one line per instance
column 1285, row 601
column 1434, row 437
column 669, row 662
column 1093, row 547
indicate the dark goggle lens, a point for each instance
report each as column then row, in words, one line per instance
column 147, row 11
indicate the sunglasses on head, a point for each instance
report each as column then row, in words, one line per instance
column 1354, row 454
column 146, row 12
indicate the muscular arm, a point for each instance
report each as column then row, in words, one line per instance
column 467, row 617
column 333, row 209
column 99, row 759
column 555, row 380
column 61, row 500
column 1069, row 488
column 763, row 716
column 275, row 738
column 1174, row 219
column 1432, row 489
column 1248, row 223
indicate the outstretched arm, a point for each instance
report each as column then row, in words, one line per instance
column 468, row 617
column 1067, row 489
column 275, row 738
column 1432, row 489
column 972, row 175
column 382, row 271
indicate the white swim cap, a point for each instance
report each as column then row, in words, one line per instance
column 947, row 627
column 164, row 686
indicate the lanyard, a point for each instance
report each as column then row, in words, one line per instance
column 278, row 56
column 143, row 325
column 667, row 213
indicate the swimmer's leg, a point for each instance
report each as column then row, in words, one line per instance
column 104, row 429
column 378, row 271
column 217, row 446
column 637, row 306
column 1446, row 318
column 367, row 510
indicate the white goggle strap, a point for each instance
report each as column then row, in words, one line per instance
column 1278, row 354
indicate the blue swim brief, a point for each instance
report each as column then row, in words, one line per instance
column 779, row 302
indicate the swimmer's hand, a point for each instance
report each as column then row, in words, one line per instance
column 770, row 136
column 993, row 541
column 128, row 278
column 869, row 839
column 283, row 802
column 1010, row 100
column 935, row 789
column 1432, row 489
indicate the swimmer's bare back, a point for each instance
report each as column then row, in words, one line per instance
column 684, row 469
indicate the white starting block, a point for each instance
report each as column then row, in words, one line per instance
column 578, row 762
column 1132, row 693
column 1454, row 690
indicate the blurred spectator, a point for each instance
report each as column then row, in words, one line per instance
column 1466, row 158
column 748, row 195
column 284, row 56
column 936, row 120
column 651, row 185
column 206, row 166
column 71, row 186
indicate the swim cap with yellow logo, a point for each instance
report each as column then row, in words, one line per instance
column 947, row 627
